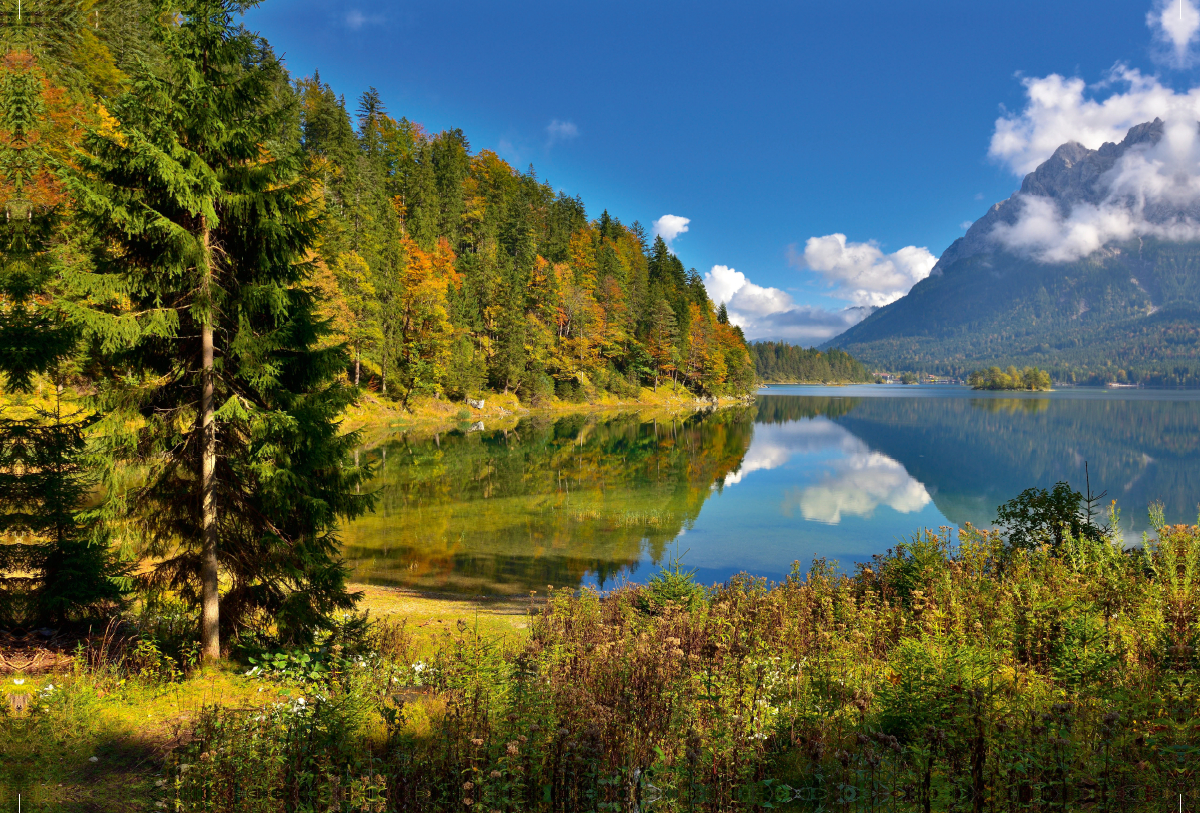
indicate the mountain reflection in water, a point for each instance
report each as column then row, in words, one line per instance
column 840, row 473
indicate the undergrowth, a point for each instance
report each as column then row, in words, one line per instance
column 954, row 672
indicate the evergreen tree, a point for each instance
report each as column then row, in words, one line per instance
column 194, row 189
column 69, row 570
column 663, row 335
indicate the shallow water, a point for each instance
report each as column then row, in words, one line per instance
column 836, row 472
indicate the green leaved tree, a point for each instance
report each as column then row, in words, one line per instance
column 195, row 190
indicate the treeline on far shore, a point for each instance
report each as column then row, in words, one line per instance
column 779, row 362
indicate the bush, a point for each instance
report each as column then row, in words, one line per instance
column 671, row 586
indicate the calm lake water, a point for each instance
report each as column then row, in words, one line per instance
column 837, row 472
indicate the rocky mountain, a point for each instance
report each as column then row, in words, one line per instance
column 1091, row 270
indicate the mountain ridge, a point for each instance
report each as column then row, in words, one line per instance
column 1128, row 311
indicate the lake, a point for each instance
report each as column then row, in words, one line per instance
column 806, row 471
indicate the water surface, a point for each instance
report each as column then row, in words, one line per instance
column 836, row 472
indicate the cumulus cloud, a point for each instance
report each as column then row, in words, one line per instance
column 1059, row 110
column 559, row 131
column 861, row 272
column 722, row 282
column 771, row 313
column 1175, row 24
column 1153, row 189
column 670, row 226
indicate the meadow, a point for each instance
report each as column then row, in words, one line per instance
column 954, row 672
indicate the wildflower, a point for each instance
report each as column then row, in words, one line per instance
column 468, row 786
column 476, row 742
column 468, row 801
column 494, row 774
column 513, row 747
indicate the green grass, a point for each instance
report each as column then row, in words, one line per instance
column 945, row 676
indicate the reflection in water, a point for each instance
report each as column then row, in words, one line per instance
column 595, row 499
column 858, row 485
column 549, row 502
column 975, row 453
column 855, row 483
column 775, row 445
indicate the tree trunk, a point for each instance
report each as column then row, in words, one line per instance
column 210, row 626
column 357, row 364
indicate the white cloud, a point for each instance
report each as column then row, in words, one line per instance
column 1060, row 110
column 722, row 282
column 771, row 313
column 559, row 131
column 1151, row 190
column 1175, row 23
column 966, row 224
column 670, row 226
column 861, row 272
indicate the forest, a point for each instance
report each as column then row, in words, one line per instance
column 206, row 260
column 779, row 362
column 447, row 272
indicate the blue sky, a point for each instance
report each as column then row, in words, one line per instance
column 763, row 124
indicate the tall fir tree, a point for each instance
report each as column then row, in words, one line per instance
column 204, row 226
column 58, row 566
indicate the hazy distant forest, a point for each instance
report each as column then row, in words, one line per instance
column 786, row 363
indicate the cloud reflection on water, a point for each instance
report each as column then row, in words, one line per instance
column 855, row 484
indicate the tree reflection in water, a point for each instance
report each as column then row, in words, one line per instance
column 589, row 499
column 548, row 502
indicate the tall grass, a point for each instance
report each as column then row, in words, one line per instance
column 947, row 675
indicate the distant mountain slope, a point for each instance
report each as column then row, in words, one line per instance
column 1128, row 311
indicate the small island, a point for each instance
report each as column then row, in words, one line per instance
column 993, row 378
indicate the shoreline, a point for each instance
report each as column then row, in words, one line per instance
column 374, row 417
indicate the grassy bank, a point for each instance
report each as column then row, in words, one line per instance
column 375, row 415
column 945, row 676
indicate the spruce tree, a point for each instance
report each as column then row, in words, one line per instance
column 203, row 220
column 69, row 571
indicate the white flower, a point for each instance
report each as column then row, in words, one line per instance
column 19, row 681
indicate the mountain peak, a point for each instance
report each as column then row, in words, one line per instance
column 1074, row 174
